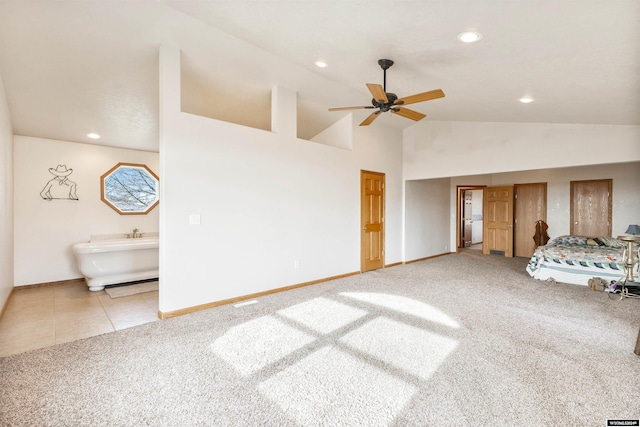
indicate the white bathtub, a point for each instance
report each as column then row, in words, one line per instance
column 108, row 262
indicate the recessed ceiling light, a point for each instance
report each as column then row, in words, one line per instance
column 526, row 99
column 321, row 64
column 469, row 36
column 93, row 135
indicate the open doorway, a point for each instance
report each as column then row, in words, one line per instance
column 469, row 218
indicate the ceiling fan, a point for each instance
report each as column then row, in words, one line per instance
column 385, row 101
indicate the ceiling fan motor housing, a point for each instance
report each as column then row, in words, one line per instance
column 385, row 106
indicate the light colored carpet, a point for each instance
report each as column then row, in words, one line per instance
column 138, row 288
column 465, row 340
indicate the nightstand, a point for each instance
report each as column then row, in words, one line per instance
column 630, row 261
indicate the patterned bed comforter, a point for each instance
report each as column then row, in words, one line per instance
column 577, row 255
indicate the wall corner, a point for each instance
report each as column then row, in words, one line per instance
column 284, row 112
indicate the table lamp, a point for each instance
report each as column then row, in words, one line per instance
column 633, row 229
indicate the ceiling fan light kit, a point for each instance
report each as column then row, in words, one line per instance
column 385, row 101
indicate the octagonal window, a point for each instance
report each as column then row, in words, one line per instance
column 130, row 189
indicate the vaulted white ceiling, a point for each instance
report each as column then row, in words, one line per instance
column 74, row 67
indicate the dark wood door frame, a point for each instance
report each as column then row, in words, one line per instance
column 460, row 189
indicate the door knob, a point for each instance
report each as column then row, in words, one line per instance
column 364, row 228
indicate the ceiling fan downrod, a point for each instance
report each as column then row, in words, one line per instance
column 385, row 64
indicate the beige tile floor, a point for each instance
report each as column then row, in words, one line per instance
column 44, row 316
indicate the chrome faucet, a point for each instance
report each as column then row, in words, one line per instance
column 135, row 235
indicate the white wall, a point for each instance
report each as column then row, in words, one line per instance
column 445, row 149
column 378, row 149
column 264, row 199
column 6, row 199
column 46, row 230
column 427, row 218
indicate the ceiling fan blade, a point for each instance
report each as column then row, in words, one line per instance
column 371, row 118
column 351, row 108
column 409, row 114
column 378, row 92
column 420, row 97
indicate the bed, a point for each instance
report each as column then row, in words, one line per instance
column 576, row 259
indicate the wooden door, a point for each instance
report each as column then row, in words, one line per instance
column 591, row 207
column 498, row 220
column 372, row 220
column 530, row 205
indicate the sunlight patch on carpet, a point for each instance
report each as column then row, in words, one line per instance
column 331, row 387
column 322, row 315
column 253, row 345
column 405, row 305
column 414, row 350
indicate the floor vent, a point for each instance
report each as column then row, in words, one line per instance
column 494, row 252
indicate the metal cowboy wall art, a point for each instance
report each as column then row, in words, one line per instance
column 60, row 187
